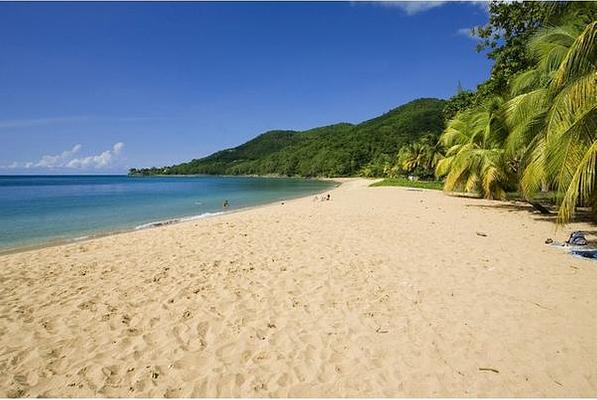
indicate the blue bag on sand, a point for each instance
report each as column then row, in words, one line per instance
column 577, row 239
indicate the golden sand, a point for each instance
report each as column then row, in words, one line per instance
column 378, row 292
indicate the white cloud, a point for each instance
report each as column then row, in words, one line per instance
column 465, row 32
column 483, row 5
column 102, row 160
column 68, row 159
column 58, row 160
column 414, row 7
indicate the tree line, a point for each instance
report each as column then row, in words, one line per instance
column 532, row 126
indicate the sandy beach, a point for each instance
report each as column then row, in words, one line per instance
column 381, row 291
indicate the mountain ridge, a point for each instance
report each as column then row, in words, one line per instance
column 339, row 149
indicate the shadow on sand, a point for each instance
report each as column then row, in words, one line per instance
column 581, row 216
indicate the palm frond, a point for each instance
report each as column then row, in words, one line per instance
column 582, row 185
column 580, row 60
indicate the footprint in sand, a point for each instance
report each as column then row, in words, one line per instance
column 239, row 379
column 259, row 334
column 172, row 393
column 184, row 344
column 202, row 328
column 153, row 322
column 245, row 356
column 283, row 380
column 111, row 374
column 88, row 305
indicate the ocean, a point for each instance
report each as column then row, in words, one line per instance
column 36, row 210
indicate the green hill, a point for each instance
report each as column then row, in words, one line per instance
column 335, row 150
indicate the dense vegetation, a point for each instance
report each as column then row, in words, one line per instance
column 532, row 127
column 335, row 150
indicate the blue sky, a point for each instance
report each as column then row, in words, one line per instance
column 100, row 87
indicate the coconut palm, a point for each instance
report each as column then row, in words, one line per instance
column 434, row 152
column 412, row 157
column 475, row 159
column 545, row 134
column 552, row 119
column 420, row 157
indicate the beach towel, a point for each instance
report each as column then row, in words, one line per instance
column 585, row 253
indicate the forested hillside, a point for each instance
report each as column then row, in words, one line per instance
column 336, row 150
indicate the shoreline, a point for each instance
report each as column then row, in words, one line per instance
column 161, row 223
column 380, row 292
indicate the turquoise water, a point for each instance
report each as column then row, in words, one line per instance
column 39, row 209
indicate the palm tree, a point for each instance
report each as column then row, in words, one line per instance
column 420, row 157
column 545, row 134
column 475, row 159
column 412, row 157
column 553, row 117
column 434, row 152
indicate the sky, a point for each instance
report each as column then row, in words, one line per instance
column 102, row 87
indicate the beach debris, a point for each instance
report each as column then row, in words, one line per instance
column 540, row 306
column 481, row 234
column 548, row 241
column 490, row 370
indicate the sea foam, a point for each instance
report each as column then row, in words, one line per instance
column 176, row 220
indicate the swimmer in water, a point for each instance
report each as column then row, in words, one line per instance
column 226, row 204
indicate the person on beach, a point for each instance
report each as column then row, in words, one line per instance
column 326, row 197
